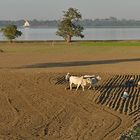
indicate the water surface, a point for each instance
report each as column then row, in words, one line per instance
column 90, row 34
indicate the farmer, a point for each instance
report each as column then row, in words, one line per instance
column 125, row 95
column 131, row 81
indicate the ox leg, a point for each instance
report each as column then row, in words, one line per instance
column 82, row 87
column 89, row 87
column 77, row 87
column 70, row 86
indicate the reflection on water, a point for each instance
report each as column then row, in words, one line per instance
column 90, row 34
column 26, row 34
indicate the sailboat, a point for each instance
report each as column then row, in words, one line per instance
column 26, row 24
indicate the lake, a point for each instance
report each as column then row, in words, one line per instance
column 90, row 34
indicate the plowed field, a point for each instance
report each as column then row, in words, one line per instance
column 35, row 104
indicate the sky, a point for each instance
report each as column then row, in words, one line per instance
column 53, row 9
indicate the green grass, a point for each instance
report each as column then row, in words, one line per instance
column 111, row 43
column 74, row 47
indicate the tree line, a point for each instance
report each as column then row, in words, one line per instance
column 107, row 22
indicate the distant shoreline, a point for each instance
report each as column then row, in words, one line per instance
column 85, row 27
column 110, row 22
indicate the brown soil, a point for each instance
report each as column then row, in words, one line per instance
column 36, row 106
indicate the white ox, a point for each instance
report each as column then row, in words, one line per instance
column 79, row 81
column 82, row 81
column 93, row 80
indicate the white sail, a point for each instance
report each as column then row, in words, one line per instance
column 26, row 24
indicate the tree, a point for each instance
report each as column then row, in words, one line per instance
column 11, row 32
column 69, row 26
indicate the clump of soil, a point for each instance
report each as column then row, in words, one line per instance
column 1, row 51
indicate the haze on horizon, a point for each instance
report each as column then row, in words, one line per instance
column 52, row 9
